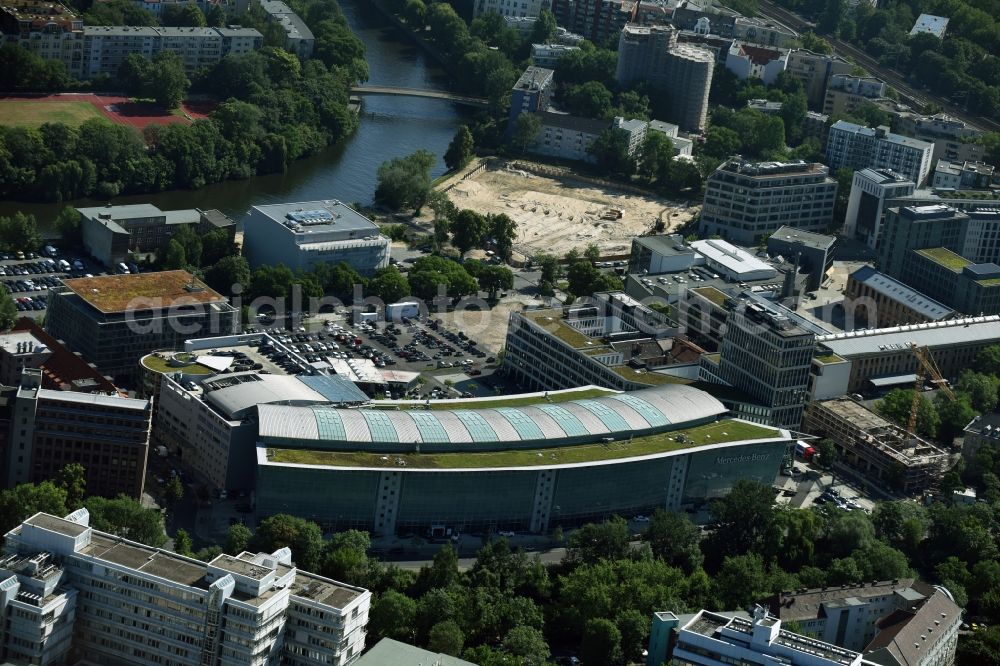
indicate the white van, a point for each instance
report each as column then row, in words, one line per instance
column 64, row 266
column 122, row 269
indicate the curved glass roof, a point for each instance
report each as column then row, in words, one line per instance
column 661, row 408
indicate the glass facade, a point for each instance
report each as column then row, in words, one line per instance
column 711, row 474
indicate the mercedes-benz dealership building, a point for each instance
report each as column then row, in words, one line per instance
column 525, row 464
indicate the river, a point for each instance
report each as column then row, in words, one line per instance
column 390, row 127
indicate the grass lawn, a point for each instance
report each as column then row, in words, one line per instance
column 34, row 113
column 157, row 364
column 712, row 433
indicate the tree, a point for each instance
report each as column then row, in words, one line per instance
column 746, row 519
column 238, row 538
column 988, row 360
column 721, row 142
column 548, row 266
column 304, row 537
column 596, row 541
column 674, row 538
column 215, row 246
column 601, row 643
column 460, row 150
column 67, row 223
column 392, row 615
column 126, row 518
column 544, row 29
column 832, row 16
column 955, row 415
column 27, row 499
column 526, row 129
column 446, row 638
column 73, row 479
column 656, row 154
column 528, row 644
column 183, row 545
column 405, row 182
column 610, row 149
column 741, row 580
column 183, row 15
column 502, row 230
column 175, row 256
column 467, row 230
column 346, row 556
column 8, row 311
column 167, row 82
column 793, row 113
column 19, row 232
column 827, row 450
column 981, row 389
column 590, row 100
column 389, row 285
column 173, row 492
column 226, row 273
column 494, row 278
column 896, row 406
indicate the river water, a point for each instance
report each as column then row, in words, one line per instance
column 390, row 127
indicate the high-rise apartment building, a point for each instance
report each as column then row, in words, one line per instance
column 684, row 71
column 767, row 357
column 746, row 201
column 854, row 146
column 870, row 190
column 600, row 21
column 115, row 320
column 72, row 593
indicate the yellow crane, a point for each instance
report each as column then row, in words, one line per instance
column 926, row 367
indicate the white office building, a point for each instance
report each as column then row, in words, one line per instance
column 854, row 146
column 733, row 263
column 113, row 601
column 301, row 235
column 870, row 190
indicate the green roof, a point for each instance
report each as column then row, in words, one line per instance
column 647, row 377
column 162, row 365
column 711, row 293
column 945, row 258
column 510, row 401
column 713, row 433
column 551, row 320
column 828, row 358
column 989, row 282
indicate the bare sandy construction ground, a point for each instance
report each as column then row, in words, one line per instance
column 555, row 215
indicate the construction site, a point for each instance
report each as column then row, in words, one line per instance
column 883, row 452
column 558, row 212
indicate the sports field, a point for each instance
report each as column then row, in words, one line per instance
column 33, row 113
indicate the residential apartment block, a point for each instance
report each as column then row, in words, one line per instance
column 74, row 594
column 853, row 146
column 884, row 453
column 746, row 201
column 963, row 175
column 301, row 235
column 871, row 190
column 105, row 48
column 299, row 38
column 863, row 617
column 567, row 137
column 48, row 29
column 532, row 93
column 845, row 93
column 952, row 138
column 548, row 55
column 509, row 7
column 115, row 320
column 653, row 54
column 600, row 21
column 48, row 429
column 747, row 61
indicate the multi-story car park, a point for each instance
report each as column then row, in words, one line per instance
column 489, row 464
column 74, row 594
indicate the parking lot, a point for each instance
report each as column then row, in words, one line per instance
column 28, row 277
column 809, row 485
column 450, row 363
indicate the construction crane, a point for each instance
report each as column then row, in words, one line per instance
column 925, row 367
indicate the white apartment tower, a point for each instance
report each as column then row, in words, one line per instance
column 69, row 590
